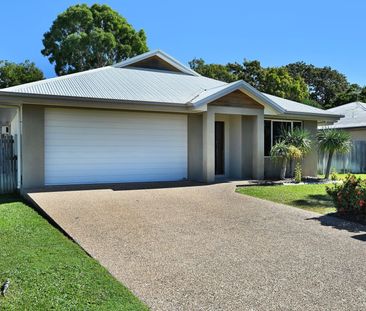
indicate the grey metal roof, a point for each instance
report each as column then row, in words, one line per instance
column 129, row 84
column 354, row 115
column 122, row 82
column 292, row 107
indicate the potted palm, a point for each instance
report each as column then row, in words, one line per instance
column 283, row 152
column 293, row 145
column 333, row 141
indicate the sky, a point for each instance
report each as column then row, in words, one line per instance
column 321, row 32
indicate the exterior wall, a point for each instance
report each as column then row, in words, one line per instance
column 272, row 169
column 195, row 147
column 310, row 163
column 235, row 147
column 357, row 134
column 244, row 147
column 33, row 146
column 247, row 146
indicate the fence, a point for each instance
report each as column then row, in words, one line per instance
column 8, row 166
column 353, row 162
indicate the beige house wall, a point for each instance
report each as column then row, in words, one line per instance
column 244, row 127
column 357, row 134
column 309, row 163
column 33, row 146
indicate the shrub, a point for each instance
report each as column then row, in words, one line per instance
column 298, row 173
column 350, row 195
column 334, row 176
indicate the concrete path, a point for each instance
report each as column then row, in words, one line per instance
column 209, row 248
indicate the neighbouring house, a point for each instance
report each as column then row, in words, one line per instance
column 148, row 118
column 354, row 122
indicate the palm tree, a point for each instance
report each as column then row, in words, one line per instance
column 333, row 141
column 283, row 152
column 300, row 139
column 293, row 145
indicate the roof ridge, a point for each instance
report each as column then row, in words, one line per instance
column 164, row 56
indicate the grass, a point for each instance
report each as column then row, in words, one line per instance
column 49, row 271
column 309, row 197
column 342, row 176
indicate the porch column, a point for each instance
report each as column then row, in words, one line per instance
column 258, row 147
column 208, row 146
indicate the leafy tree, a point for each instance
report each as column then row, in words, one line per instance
column 250, row 71
column 353, row 94
column 332, row 141
column 12, row 74
column 214, row 71
column 277, row 81
column 84, row 37
column 324, row 84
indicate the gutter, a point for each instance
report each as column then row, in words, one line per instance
column 323, row 115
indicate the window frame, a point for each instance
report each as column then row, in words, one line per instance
column 280, row 120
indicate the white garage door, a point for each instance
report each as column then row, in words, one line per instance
column 96, row 146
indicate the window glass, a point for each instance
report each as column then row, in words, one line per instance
column 274, row 130
column 279, row 128
column 267, row 137
column 297, row 125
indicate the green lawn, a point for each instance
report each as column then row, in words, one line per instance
column 309, row 197
column 49, row 271
column 342, row 176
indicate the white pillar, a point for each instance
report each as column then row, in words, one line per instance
column 208, row 146
column 258, row 147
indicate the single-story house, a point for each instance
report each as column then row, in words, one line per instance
column 149, row 118
column 353, row 122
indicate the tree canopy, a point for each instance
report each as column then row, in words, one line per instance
column 12, row 74
column 84, row 37
column 321, row 87
column 275, row 81
column 324, row 83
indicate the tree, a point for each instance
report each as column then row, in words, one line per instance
column 324, row 84
column 353, row 94
column 12, row 74
column 293, row 145
column 332, row 141
column 277, row 81
column 299, row 138
column 213, row 71
column 283, row 152
column 84, row 37
column 250, row 71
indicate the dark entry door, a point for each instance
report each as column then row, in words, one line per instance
column 219, row 148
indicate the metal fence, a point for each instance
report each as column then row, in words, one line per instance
column 8, row 165
column 353, row 162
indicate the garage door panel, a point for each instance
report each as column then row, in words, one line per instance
column 92, row 146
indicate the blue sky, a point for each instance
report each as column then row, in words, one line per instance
column 278, row 32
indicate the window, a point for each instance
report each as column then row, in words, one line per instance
column 273, row 130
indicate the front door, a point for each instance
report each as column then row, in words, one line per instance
column 219, row 148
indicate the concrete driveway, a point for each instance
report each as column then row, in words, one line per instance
column 209, row 248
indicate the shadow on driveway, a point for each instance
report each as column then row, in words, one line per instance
column 331, row 220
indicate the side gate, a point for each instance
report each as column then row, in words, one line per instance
column 8, row 165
